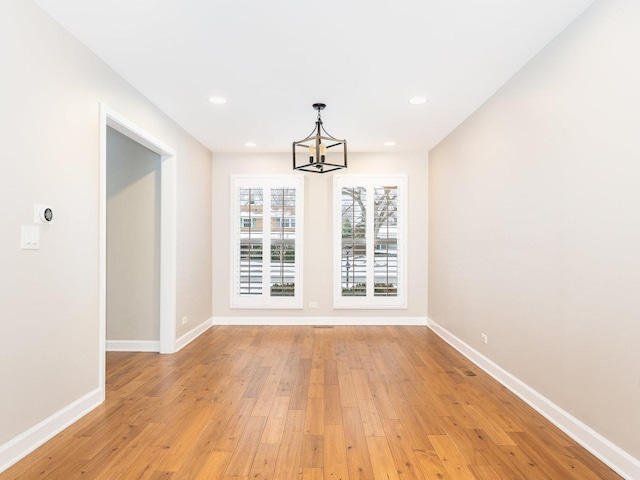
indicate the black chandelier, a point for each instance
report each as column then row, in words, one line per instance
column 318, row 156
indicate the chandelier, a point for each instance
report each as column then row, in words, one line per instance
column 319, row 152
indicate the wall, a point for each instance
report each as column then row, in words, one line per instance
column 534, row 228
column 317, row 273
column 50, row 89
column 133, row 240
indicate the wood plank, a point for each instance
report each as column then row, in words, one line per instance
column 311, row 474
column 400, row 447
column 314, row 418
column 231, row 434
column 312, row 455
column 287, row 380
column 348, row 396
column 384, row 467
column 182, row 439
column 358, row 458
column 360, row 381
column 522, row 466
column 371, row 422
column 215, row 467
column 246, row 448
column 200, row 450
column 276, row 421
column 382, row 401
column 266, row 396
column 145, row 465
column 492, row 429
column 316, row 383
column 430, row 465
column 332, row 405
column 335, row 453
column 552, row 459
column 257, row 381
column 299, row 396
column 264, row 463
column 331, row 372
column 157, row 475
column 472, row 443
column 119, row 463
column 594, row 465
column 484, row 472
column 453, row 462
column 288, row 461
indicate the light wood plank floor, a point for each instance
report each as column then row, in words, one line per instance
column 308, row 403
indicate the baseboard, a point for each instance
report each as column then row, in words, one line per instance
column 317, row 321
column 25, row 443
column 133, row 345
column 190, row 336
column 617, row 459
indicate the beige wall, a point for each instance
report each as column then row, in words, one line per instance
column 318, row 228
column 50, row 89
column 133, row 240
column 534, row 231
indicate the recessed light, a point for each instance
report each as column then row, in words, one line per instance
column 389, row 144
column 418, row 100
column 250, row 144
column 217, row 100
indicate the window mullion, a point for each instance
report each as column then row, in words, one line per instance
column 266, row 242
column 370, row 203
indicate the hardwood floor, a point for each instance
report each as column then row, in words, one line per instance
column 370, row 403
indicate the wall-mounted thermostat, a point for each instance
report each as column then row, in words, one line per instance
column 42, row 214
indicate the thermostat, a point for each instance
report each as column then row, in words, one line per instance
column 42, row 214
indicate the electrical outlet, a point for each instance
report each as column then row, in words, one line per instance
column 484, row 339
column 184, row 320
column 313, row 304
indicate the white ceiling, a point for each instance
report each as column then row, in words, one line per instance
column 273, row 59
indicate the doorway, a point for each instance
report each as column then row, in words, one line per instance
column 133, row 245
column 167, row 234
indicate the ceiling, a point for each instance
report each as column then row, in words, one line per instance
column 273, row 59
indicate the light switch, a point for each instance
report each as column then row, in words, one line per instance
column 30, row 237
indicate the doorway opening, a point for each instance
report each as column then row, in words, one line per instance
column 133, row 245
column 167, row 267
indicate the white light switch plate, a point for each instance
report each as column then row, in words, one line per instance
column 30, row 237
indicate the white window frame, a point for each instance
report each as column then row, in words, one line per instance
column 267, row 183
column 369, row 301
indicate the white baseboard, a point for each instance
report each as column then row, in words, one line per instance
column 133, row 345
column 617, row 459
column 317, row 321
column 28, row 441
column 190, row 336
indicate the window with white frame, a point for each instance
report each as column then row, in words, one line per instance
column 249, row 222
column 267, row 241
column 285, row 222
column 370, row 241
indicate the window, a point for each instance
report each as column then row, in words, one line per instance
column 369, row 241
column 285, row 222
column 267, row 242
column 249, row 222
